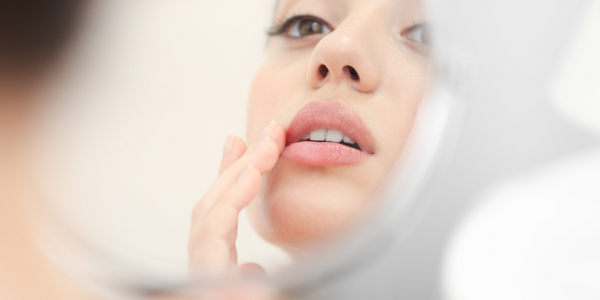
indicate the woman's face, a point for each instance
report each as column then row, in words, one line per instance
column 345, row 78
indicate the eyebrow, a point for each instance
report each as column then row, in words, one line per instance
column 276, row 6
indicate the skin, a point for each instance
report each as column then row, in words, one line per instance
column 299, row 206
column 25, row 272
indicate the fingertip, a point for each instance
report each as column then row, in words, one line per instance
column 252, row 270
column 265, row 157
column 278, row 136
column 228, row 145
column 275, row 149
column 240, row 144
column 236, row 150
column 234, row 147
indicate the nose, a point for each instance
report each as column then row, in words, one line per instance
column 346, row 55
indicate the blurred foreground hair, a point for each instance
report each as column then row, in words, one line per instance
column 33, row 34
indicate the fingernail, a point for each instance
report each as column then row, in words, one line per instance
column 260, row 144
column 245, row 172
column 228, row 145
column 267, row 129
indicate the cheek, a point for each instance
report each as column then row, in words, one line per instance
column 396, row 115
column 276, row 92
column 261, row 100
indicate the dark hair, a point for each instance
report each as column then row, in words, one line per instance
column 33, row 33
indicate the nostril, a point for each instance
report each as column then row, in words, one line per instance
column 353, row 73
column 323, row 71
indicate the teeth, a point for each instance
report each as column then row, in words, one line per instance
column 348, row 140
column 318, row 135
column 330, row 135
column 334, row 136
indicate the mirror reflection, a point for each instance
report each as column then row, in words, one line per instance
column 124, row 136
column 342, row 82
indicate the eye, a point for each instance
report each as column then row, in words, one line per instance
column 306, row 27
column 418, row 33
column 300, row 26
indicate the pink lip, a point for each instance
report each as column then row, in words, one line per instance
column 330, row 115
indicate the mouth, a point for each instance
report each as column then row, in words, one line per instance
column 327, row 134
column 323, row 135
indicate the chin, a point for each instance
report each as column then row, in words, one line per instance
column 301, row 207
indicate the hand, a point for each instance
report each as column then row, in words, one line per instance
column 212, row 248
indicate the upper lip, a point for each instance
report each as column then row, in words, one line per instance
column 330, row 115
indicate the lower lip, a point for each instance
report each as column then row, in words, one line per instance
column 322, row 154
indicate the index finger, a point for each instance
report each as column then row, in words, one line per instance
column 238, row 147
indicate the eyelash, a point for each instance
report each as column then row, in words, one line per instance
column 280, row 27
column 421, row 44
column 414, row 26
